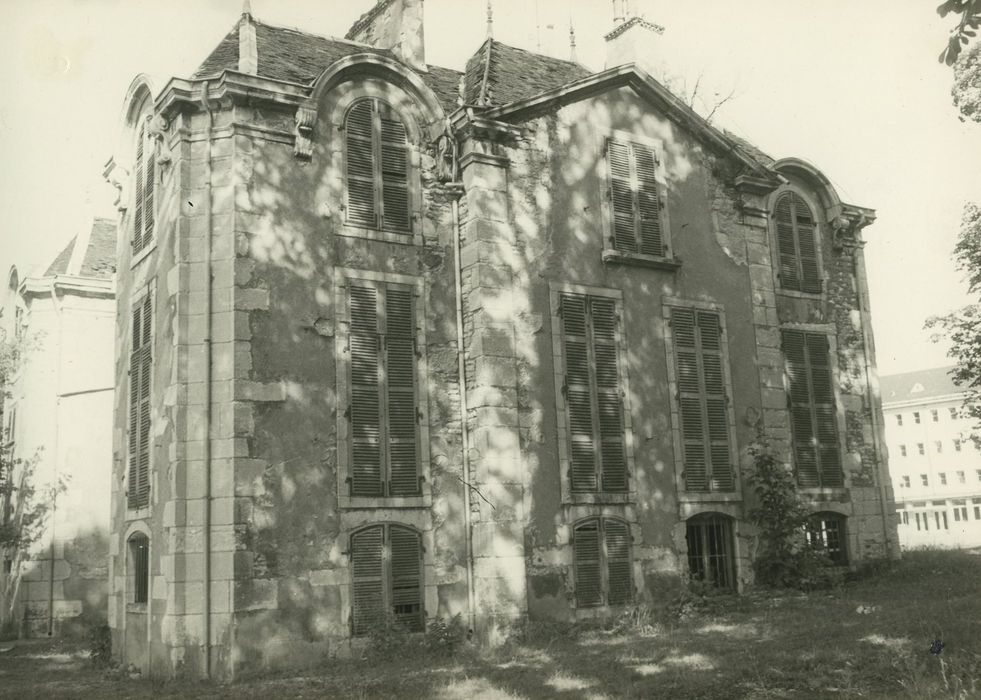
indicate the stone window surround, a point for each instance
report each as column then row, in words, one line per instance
column 575, row 514
column 339, row 102
column 418, row 520
column 679, row 453
column 137, row 297
column 819, row 228
column 610, row 254
column 140, row 527
column 822, row 492
column 342, row 363
column 556, row 289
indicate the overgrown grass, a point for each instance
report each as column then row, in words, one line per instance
column 869, row 638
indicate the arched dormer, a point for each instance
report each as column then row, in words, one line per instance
column 136, row 153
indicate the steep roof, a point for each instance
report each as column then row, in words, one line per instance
column 499, row 74
column 99, row 259
column 918, row 386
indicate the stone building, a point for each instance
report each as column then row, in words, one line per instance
column 396, row 340
column 935, row 466
column 57, row 417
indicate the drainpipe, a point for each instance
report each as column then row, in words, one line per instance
column 54, row 495
column 462, row 372
column 206, row 593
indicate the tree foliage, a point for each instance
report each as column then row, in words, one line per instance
column 966, row 89
column 965, row 30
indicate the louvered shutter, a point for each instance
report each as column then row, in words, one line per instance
column 786, row 244
column 366, row 446
column 825, row 415
column 586, row 555
column 400, row 382
column 138, row 203
column 702, row 400
column 810, row 276
column 578, row 394
column 797, row 244
column 367, row 579
column 361, row 165
column 148, row 187
column 405, row 550
column 394, row 170
column 620, row 584
column 146, row 360
column 135, row 370
column 613, row 458
column 648, row 201
column 622, row 196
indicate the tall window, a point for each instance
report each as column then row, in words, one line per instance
column 593, row 394
column 382, row 413
column 601, row 553
column 386, row 578
column 710, row 552
column 634, row 199
column 377, row 167
column 699, row 365
column 797, row 244
column 902, row 450
column 916, row 416
column 814, row 422
column 140, row 370
column 826, row 531
column 935, row 415
column 899, row 419
column 143, row 188
column 138, row 568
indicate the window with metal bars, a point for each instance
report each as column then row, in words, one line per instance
column 813, row 415
column 140, row 371
column 700, row 367
column 139, row 568
column 797, row 245
column 377, row 167
column 386, row 578
column 143, row 187
column 601, row 549
column 710, row 550
column 593, row 394
column 382, row 412
column 635, row 199
column 826, row 532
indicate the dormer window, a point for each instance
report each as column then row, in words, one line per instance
column 796, row 232
column 378, row 165
column 143, row 174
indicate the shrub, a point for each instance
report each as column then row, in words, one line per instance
column 390, row 640
column 100, row 645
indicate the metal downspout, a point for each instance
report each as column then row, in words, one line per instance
column 54, row 493
column 206, row 593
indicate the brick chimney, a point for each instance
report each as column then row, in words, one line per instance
column 633, row 40
column 395, row 25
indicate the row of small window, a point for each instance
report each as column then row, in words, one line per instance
column 925, row 480
column 922, row 518
column 387, row 567
column 937, row 444
column 934, row 415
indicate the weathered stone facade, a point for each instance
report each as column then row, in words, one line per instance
column 250, row 511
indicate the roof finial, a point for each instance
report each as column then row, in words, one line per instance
column 490, row 19
column 247, row 9
column 572, row 41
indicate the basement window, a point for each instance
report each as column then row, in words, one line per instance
column 710, row 550
column 138, row 566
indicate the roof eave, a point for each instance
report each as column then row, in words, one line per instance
column 232, row 84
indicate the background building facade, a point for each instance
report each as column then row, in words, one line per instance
column 935, row 466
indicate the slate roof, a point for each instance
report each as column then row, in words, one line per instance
column 916, row 386
column 99, row 260
column 514, row 74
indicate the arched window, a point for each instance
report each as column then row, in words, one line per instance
column 601, row 555
column 797, row 244
column 143, row 182
column 386, row 578
column 138, row 568
column 710, row 552
column 377, row 167
column 826, row 531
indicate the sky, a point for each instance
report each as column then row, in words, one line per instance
column 853, row 87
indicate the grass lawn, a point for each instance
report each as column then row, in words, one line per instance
column 870, row 639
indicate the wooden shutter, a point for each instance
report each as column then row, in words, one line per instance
column 138, row 207
column 622, row 196
column 812, row 409
column 365, row 416
column 405, row 549
column 135, row 370
column 141, row 370
column 586, row 555
column 703, row 404
column 148, row 187
column 613, row 458
column 394, row 170
column 634, row 198
column 361, row 165
column 797, row 244
column 648, row 201
column 620, row 585
column 400, row 366
column 578, row 394
column 367, row 579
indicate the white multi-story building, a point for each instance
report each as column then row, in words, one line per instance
column 935, row 466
